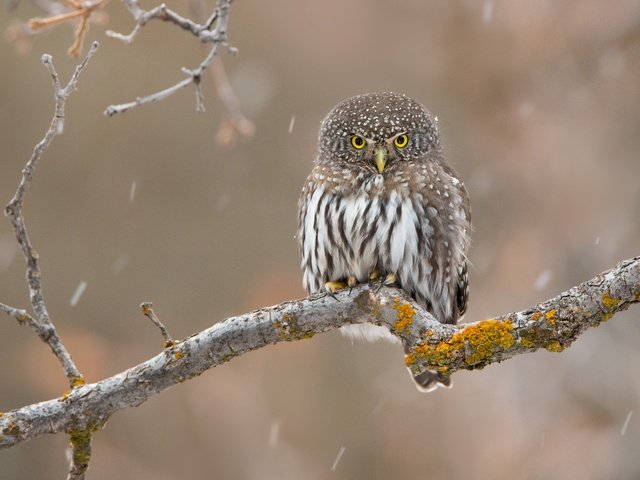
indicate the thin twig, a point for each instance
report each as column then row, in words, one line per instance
column 42, row 323
column 39, row 23
column 20, row 315
column 147, row 310
column 551, row 325
column 218, row 37
column 80, row 10
column 161, row 12
column 235, row 122
column 81, row 32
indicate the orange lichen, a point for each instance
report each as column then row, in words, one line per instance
column 477, row 343
column 289, row 330
column 526, row 342
column 405, row 313
column 606, row 316
column 178, row 355
column 409, row 359
column 554, row 346
column 551, row 316
column 78, row 382
column 536, row 316
column 12, row 430
column 609, row 302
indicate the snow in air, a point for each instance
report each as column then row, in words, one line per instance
column 274, row 433
column 120, row 263
column 487, row 11
column 625, row 425
column 338, row 458
column 82, row 286
column 132, row 192
column 8, row 250
column 222, row 202
column 542, row 280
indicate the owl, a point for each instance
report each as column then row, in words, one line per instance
column 382, row 204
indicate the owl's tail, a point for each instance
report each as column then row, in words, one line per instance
column 428, row 381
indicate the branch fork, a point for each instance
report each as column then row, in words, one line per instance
column 41, row 322
column 217, row 36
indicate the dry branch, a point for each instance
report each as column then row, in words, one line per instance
column 41, row 323
column 204, row 32
column 552, row 325
column 79, row 10
column 235, row 123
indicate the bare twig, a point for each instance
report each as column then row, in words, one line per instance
column 80, row 10
column 552, row 325
column 39, row 23
column 20, row 315
column 217, row 36
column 164, row 13
column 42, row 323
column 235, row 122
column 147, row 310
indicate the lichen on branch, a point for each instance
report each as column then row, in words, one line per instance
column 552, row 325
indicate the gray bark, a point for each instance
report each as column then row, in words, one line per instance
column 552, row 325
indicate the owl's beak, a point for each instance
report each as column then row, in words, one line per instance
column 380, row 157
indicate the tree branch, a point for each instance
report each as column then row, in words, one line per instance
column 552, row 325
column 81, row 10
column 203, row 31
column 235, row 123
column 42, row 323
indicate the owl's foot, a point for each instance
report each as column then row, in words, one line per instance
column 332, row 287
column 373, row 275
column 389, row 280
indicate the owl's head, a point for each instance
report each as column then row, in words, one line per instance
column 376, row 130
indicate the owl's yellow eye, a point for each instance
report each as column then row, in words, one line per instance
column 358, row 142
column 401, row 141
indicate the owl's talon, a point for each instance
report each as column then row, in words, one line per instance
column 352, row 281
column 373, row 275
column 390, row 279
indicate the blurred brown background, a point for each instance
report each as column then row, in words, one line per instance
column 539, row 108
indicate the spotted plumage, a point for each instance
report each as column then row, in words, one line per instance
column 381, row 199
